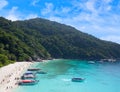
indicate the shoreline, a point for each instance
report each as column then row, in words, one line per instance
column 10, row 75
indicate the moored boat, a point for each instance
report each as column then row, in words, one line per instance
column 77, row 79
column 29, row 72
column 91, row 62
column 28, row 76
column 28, row 82
column 34, row 69
column 41, row 72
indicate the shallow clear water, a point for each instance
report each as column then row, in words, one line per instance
column 103, row 77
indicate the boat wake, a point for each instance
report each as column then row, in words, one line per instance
column 66, row 80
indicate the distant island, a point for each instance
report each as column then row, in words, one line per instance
column 44, row 39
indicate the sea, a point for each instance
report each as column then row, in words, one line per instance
column 98, row 77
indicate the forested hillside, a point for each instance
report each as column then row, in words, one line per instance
column 41, row 38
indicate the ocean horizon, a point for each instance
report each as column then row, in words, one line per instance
column 98, row 77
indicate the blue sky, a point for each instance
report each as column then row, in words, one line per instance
column 100, row 18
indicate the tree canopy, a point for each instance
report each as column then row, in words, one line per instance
column 22, row 40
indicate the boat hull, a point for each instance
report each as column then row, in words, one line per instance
column 77, row 80
column 30, row 83
column 41, row 72
column 35, row 69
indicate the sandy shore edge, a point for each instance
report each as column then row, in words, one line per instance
column 10, row 74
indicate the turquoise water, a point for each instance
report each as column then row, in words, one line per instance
column 103, row 77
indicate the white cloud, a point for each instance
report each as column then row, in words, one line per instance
column 90, row 6
column 65, row 9
column 3, row 3
column 15, row 14
column 113, row 38
column 31, row 16
column 35, row 2
column 48, row 9
column 53, row 18
column 107, row 1
column 12, row 14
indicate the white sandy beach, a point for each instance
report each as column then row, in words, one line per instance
column 10, row 75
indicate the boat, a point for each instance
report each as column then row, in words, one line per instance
column 29, row 72
column 34, row 69
column 77, row 79
column 91, row 62
column 41, row 72
column 28, row 82
column 28, row 76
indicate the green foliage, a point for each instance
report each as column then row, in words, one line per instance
column 4, row 60
column 40, row 38
column 63, row 41
column 17, row 45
